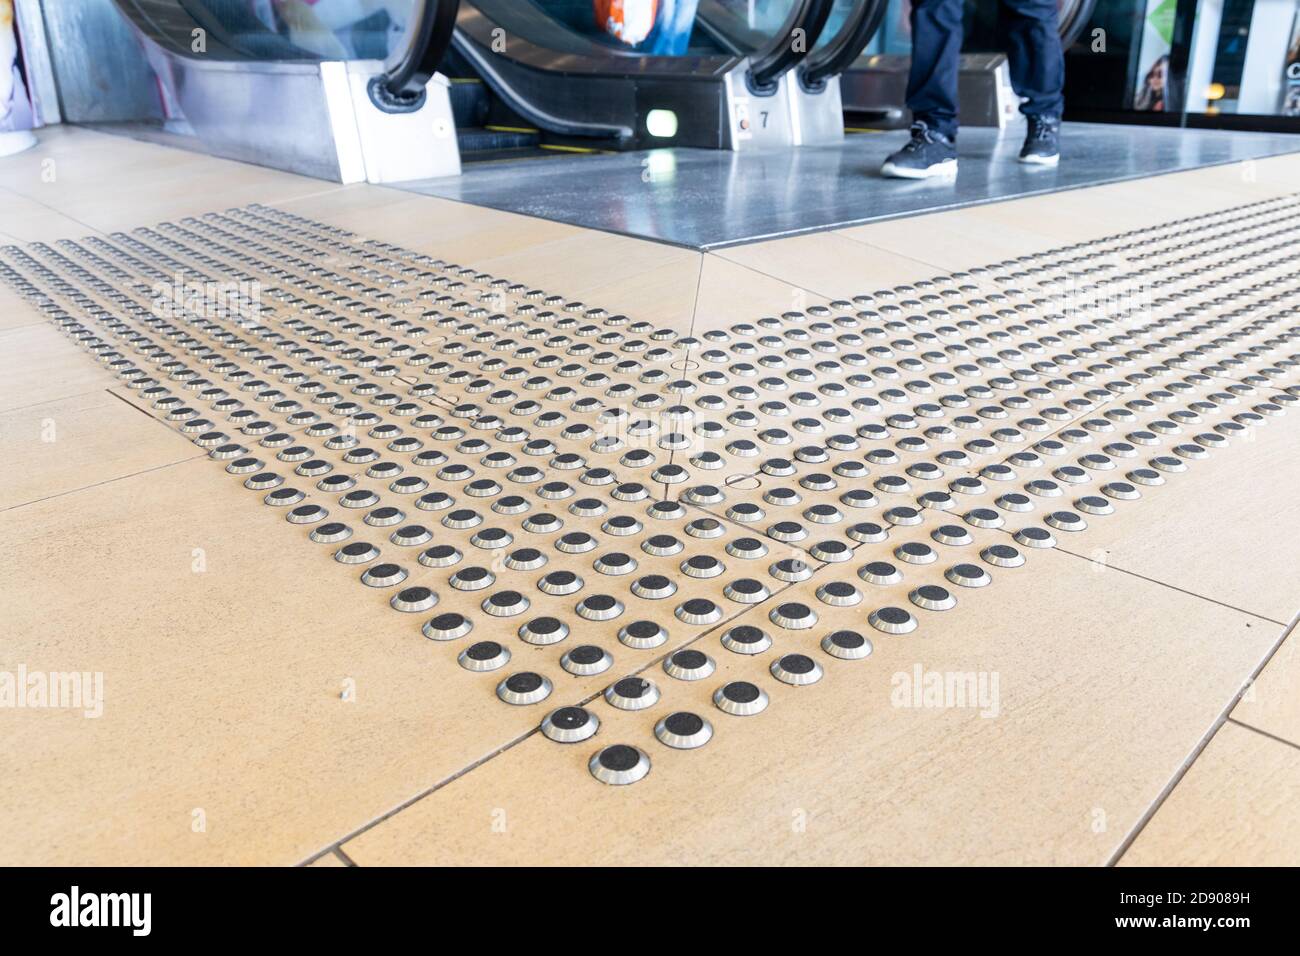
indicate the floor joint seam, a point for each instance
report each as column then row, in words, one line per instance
column 100, row 484
column 1172, row 587
column 1264, row 733
column 784, row 282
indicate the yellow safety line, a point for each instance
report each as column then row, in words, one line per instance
column 853, row 129
column 510, row 129
column 569, row 149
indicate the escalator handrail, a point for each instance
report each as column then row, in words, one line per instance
column 833, row 58
column 428, row 35
column 482, row 61
column 1076, row 22
column 780, row 55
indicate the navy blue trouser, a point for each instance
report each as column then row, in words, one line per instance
column 1034, row 51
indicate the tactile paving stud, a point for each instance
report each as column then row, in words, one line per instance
column 892, row 620
column 570, row 725
column 793, row 615
column 543, row 631
column 839, row 594
column 356, row 552
column 797, row 669
column 740, row 699
column 440, row 556
column 880, row 572
column 846, row 645
column 330, row 532
column 414, row 599
column 968, row 576
column 1066, row 521
column 688, row 664
column 599, row 607
column 472, row 578
column 383, row 575
column 586, row 660
column 306, row 514
column 1033, row 537
column 698, row 611
column 642, row 635
column 653, row 587
column 683, row 730
column 746, row 639
column 932, row 597
column 484, row 656
column 632, row 693
column 525, row 687
column 505, row 604
column 619, row 764
column 447, row 627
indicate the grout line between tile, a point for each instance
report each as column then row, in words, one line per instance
column 1172, row 587
column 945, row 270
column 785, row 282
column 1204, row 742
column 51, row 401
column 1264, row 733
column 106, row 481
column 347, row 860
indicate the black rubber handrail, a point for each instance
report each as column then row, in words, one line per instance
column 1075, row 21
column 428, row 35
column 781, row 52
column 833, row 58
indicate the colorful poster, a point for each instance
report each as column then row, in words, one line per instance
column 1290, row 105
column 1151, row 92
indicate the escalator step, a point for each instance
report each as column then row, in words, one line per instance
column 480, row 139
column 470, row 102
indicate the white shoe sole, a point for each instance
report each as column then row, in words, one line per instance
column 1041, row 160
column 947, row 168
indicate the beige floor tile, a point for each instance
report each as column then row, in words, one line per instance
column 614, row 272
column 1202, row 532
column 29, row 220
column 15, row 313
column 222, row 689
column 1271, row 702
column 731, row 292
column 439, row 227
column 66, row 173
column 951, row 241
column 829, row 264
column 836, row 773
column 57, row 447
column 1236, row 806
column 37, row 364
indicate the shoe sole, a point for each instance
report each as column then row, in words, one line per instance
column 1041, row 160
column 947, row 168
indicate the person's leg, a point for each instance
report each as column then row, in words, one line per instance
column 932, row 79
column 1036, row 59
column 931, row 93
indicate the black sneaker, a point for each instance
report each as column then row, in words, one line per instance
column 1042, row 141
column 928, row 153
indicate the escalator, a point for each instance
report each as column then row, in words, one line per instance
column 344, row 93
column 873, row 85
column 535, row 75
column 270, row 82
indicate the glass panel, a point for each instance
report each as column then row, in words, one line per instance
column 328, row 29
column 659, row 27
column 1245, row 59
